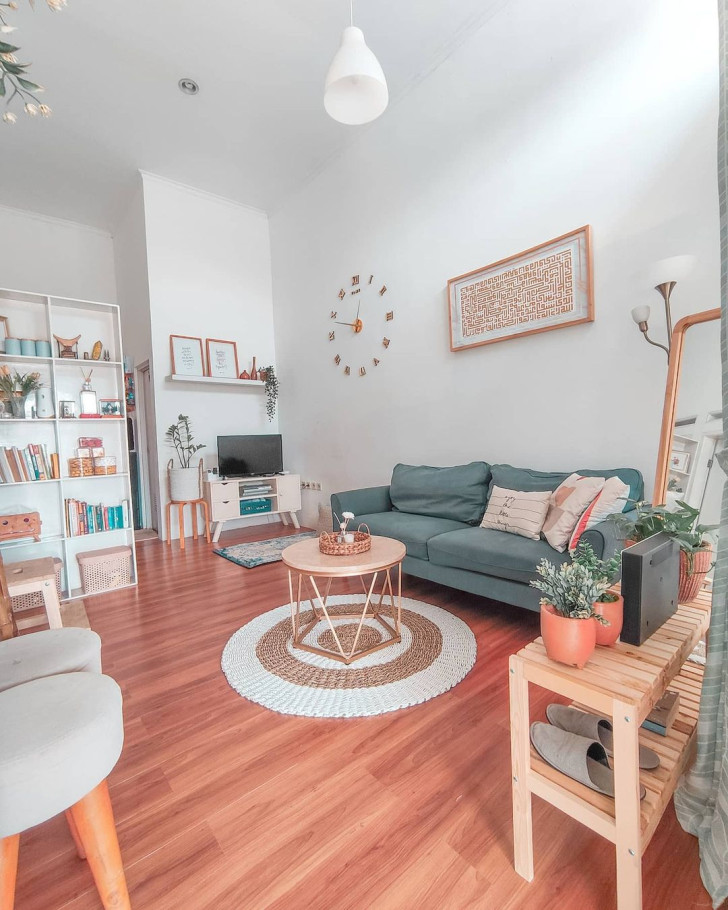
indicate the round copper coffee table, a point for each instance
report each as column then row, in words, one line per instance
column 308, row 565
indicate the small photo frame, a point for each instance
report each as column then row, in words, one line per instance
column 222, row 358
column 186, row 355
column 67, row 409
column 111, row 407
column 680, row 461
column 4, row 332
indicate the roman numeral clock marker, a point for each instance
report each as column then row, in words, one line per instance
column 362, row 319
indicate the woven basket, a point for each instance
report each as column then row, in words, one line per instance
column 692, row 582
column 329, row 545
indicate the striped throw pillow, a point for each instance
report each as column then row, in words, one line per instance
column 517, row 513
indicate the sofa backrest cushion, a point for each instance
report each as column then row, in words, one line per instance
column 527, row 480
column 458, row 493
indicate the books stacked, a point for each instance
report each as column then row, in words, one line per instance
column 662, row 716
column 85, row 518
column 34, row 462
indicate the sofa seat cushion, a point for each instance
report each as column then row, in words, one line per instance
column 413, row 530
column 492, row 552
column 457, row 493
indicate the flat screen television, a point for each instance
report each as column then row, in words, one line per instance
column 249, row 456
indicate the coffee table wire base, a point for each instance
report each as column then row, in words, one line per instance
column 320, row 611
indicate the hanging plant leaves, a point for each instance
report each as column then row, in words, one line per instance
column 6, row 48
column 2, row 87
column 30, row 86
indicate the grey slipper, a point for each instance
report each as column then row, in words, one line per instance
column 580, row 758
column 596, row 727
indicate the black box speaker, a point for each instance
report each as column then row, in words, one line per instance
column 650, row 580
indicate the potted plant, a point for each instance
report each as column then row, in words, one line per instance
column 16, row 388
column 567, row 611
column 609, row 603
column 271, row 390
column 184, row 481
column 681, row 523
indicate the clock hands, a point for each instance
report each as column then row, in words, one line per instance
column 344, row 323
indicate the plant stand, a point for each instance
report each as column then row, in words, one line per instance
column 622, row 682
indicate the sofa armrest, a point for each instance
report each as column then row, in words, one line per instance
column 608, row 536
column 361, row 502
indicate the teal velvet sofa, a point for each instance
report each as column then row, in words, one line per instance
column 435, row 512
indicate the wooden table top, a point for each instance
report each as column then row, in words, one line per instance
column 306, row 557
column 635, row 675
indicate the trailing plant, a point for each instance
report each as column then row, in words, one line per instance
column 679, row 522
column 13, row 75
column 608, row 570
column 179, row 435
column 12, row 383
column 271, row 391
column 571, row 589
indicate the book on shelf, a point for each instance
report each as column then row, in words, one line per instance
column 89, row 518
column 663, row 715
column 34, row 462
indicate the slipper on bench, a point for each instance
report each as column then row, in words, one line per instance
column 581, row 759
column 595, row 727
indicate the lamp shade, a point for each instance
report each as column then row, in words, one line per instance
column 641, row 313
column 356, row 90
column 673, row 269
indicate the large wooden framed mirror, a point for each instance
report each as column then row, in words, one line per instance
column 692, row 425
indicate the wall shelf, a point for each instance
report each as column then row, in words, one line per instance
column 216, row 380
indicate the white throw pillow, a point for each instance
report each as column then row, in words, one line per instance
column 611, row 500
column 568, row 502
column 516, row 513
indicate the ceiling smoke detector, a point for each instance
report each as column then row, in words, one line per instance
column 188, row 86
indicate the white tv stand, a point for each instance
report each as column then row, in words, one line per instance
column 224, row 497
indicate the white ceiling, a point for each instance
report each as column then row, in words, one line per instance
column 255, row 132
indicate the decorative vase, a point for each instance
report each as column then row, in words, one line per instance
column 692, row 577
column 17, row 405
column 567, row 641
column 184, row 483
column 614, row 612
column 44, row 403
column 254, row 371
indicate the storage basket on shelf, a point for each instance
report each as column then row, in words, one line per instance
column 105, row 464
column 34, row 600
column 254, row 506
column 104, row 569
column 80, row 467
column 330, row 546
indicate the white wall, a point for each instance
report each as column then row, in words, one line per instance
column 50, row 256
column 209, row 276
column 551, row 116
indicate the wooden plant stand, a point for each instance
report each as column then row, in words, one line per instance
column 622, row 683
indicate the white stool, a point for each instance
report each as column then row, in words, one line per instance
column 62, row 736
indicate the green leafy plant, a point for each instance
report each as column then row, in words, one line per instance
column 271, row 391
column 679, row 522
column 608, row 570
column 179, row 435
column 571, row 589
column 12, row 383
column 13, row 75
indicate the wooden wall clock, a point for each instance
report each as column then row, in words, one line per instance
column 358, row 325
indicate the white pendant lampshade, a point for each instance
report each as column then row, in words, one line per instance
column 356, row 90
column 641, row 313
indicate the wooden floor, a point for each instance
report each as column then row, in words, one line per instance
column 222, row 804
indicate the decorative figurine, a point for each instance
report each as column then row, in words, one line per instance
column 96, row 352
column 67, row 347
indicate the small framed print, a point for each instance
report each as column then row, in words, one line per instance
column 67, row 409
column 680, row 461
column 186, row 354
column 222, row 358
column 110, row 407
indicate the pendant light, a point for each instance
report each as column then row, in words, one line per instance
column 356, row 90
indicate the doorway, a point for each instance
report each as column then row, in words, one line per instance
column 146, row 445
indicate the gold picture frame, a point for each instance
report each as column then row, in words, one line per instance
column 187, row 356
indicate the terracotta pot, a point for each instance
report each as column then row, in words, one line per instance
column 692, row 581
column 614, row 612
column 567, row 641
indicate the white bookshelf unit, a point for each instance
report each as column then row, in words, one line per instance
column 35, row 316
column 226, row 498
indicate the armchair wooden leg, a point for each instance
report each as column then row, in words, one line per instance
column 74, row 834
column 8, row 870
column 94, row 821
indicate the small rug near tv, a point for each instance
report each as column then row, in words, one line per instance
column 260, row 552
column 436, row 652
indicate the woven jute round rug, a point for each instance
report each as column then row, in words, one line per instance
column 436, row 651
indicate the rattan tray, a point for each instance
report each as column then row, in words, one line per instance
column 331, row 547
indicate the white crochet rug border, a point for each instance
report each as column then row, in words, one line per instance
column 249, row 678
